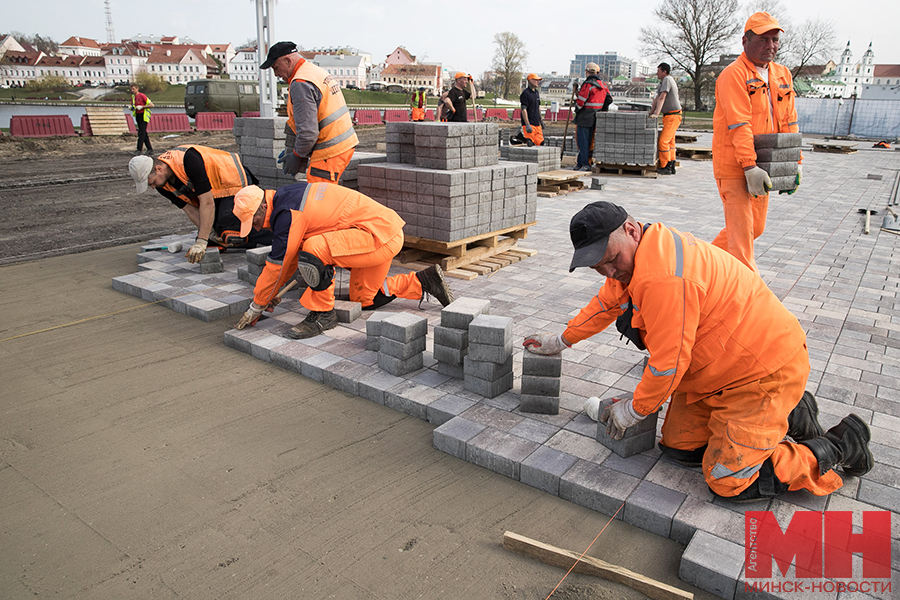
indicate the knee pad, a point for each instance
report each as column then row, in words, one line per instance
column 317, row 275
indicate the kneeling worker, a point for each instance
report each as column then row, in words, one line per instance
column 722, row 346
column 202, row 182
column 316, row 226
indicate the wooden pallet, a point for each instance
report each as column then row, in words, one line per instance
column 694, row 152
column 834, row 147
column 106, row 120
column 648, row 171
column 685, row 138
column 482, row 251
column 559, row 189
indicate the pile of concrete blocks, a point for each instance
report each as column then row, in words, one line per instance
column 350, row 176
column 256, row 262
column 444, row 146
column 451, row 337
column 260, row 140
column 541, row 383
column 546, row 157
column 625, row 138
column 638, row 438
column 778, row 154
column 211, row 262
column 557, row 141
column 401, row 343
column 487, row 367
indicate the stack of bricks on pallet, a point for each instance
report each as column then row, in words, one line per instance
column 401, row 343
column 546, row 157
column 487, row 367
column 350, row 176
column 452, row 205
column 556, row 141
column 638, row 438
column 260, row 140
column 540, row 383
column 211, row 262
column 451, row 337
column 445, row 146
column 778, row 154
column 625, row 138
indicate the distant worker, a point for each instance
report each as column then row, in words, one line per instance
column 667, row 103
column 593, row 96
column 202, row 182
column 453, row 101
column 530, row 100
column 754, row 95
column 140, row 110
column 316, row 227
column 418, row 104
column 317, row 114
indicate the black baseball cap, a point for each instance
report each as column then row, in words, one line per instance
column 277, row 51
column 590, row 229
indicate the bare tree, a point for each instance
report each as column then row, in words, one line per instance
column 693, row 33
column 509, row 60
column 815, row 40
column 43, row 44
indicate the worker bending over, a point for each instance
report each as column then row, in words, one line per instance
column 318, row 226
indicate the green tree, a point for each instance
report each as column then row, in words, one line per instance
column 48, row 83
column 150, row 84
column 509, row 61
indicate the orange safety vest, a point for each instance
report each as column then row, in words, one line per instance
column 742, row 110
column 708, row 321
column 336, row 133
column 224, row 169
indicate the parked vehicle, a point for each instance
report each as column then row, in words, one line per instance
column 220, row 95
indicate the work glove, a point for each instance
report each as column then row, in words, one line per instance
column 196, row 252
column 528, row 129
column 250, row 316
column 292, row 163
column 796, row 181
column 619, row 416
column 280, row 157
column 546, row 343
column 758, row 181
column 592, row 407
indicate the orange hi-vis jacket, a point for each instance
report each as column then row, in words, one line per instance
column 336, row 133
column 708, row 322
column 300, row 211
column 742, row 110
column 225, row 171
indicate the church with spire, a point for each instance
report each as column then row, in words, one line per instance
column 855, row 75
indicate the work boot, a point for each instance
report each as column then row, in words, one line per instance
column 846, row 445
column 803, row 423
column 671, row 167
column 379, row 301
column 315, row 323
column 432, row 280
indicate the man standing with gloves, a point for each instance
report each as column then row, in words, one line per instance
column 754, row 95
column 724, row 351
column 593, row 96
column 530, row 99
column 140, row 110
column 666, row 103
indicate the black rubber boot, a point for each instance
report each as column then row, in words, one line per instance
column 432, row 280
column 764, row 486
column 846, row 445
column 803, row 422
column 379, row 300
column 687, row 458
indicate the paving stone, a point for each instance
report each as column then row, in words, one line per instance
column 345, row 376
column 547, row 405
column 453, row 338
column 411, row 398
column 459, row 313
column 492, row 330
column 347, row 311
column 598, row 488
column 374, row 385
column 453, row 436
column 451, row 355
column 490, row 352
column 446, row 407
column 499, row 451
column 652, row 507
column 488, row 389
column 697, row 514
column 549, row 365
column 451, row 370
column 712, row 564
column 399, row 366
column 212, row 267
column 537, row 385
column 489, row 371
column 401, row 350
column 404, row 327
column 544, row 467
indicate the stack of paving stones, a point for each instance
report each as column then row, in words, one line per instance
column 256, row 262
column 623, row 138
column 638, row 438
column 540, row 383
column 207, row 291
column 546, row 157
column 778, row 154
column 451, row 337
column 444, row 146
column 401, row 343
column 350, row 176
column 487, row 368
column 557, row 141
column 260, row 140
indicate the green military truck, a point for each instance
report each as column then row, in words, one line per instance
column 221, row 95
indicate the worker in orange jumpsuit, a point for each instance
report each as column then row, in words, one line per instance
column 317, row 114
column 730, row 356
column 202, row 182
column 317, row 226
column 754, row 95
column 418, row 104
column 530, row 99
column 668, row 104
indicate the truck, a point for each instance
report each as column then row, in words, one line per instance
column 221, row 95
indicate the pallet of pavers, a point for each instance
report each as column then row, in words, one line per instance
column 467, row 258
column 558, row 183
column 694, row 152
column 834, row 147
column 625, row 144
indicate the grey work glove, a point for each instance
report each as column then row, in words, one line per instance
column 196, row 252
column 619, row 416
column 758, row 181
column 250, row 316
column 527, row 128
column 293, row 164
column 546, row 343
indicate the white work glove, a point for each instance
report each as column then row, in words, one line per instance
column 196, row 252
column 546, row 343
column 528, row 128
column 250, row 316
column 758, row 181
column 592, row 408
column 619, row 416
column 292, row 163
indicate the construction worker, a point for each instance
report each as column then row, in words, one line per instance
column 316, row 226
column 754, row 95
column 667, row 103
column 593, row 96
column 317, row 114
column 530, row 99
column 453, row 102
column 418, row 104
column 202, row 182
column 723, row 349
column 140, row 110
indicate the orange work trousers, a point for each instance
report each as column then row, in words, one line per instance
column 418, row 114
column 328, row 170
column 536, row 135
column 666, row 143
column 368, row 271
column 745, row 220
column 745, row 425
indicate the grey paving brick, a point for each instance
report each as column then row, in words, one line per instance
column 212, row 267
column 404, row 327
column 712, row 564
column 537, row 385
column 547, row 405
column 459, row 313
column 598, row 488
column 542, row 365
column 697, row 514
column 374, row 385
column 652, row 507
column 399, row 366
column 492, row 330
column 489, row 371
column 544, row 467
column 488, row 389
column 455, row 371
column 411, row 398
column 313, row 367
column 490, row 352
column 454, row 338
column 453, row 436
column 452, row 355
column 347, row 311
column 345, row 376
column 499, row 451
column 401, row 350
column 446, row 407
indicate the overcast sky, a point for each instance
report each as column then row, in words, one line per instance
column 457, row 34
